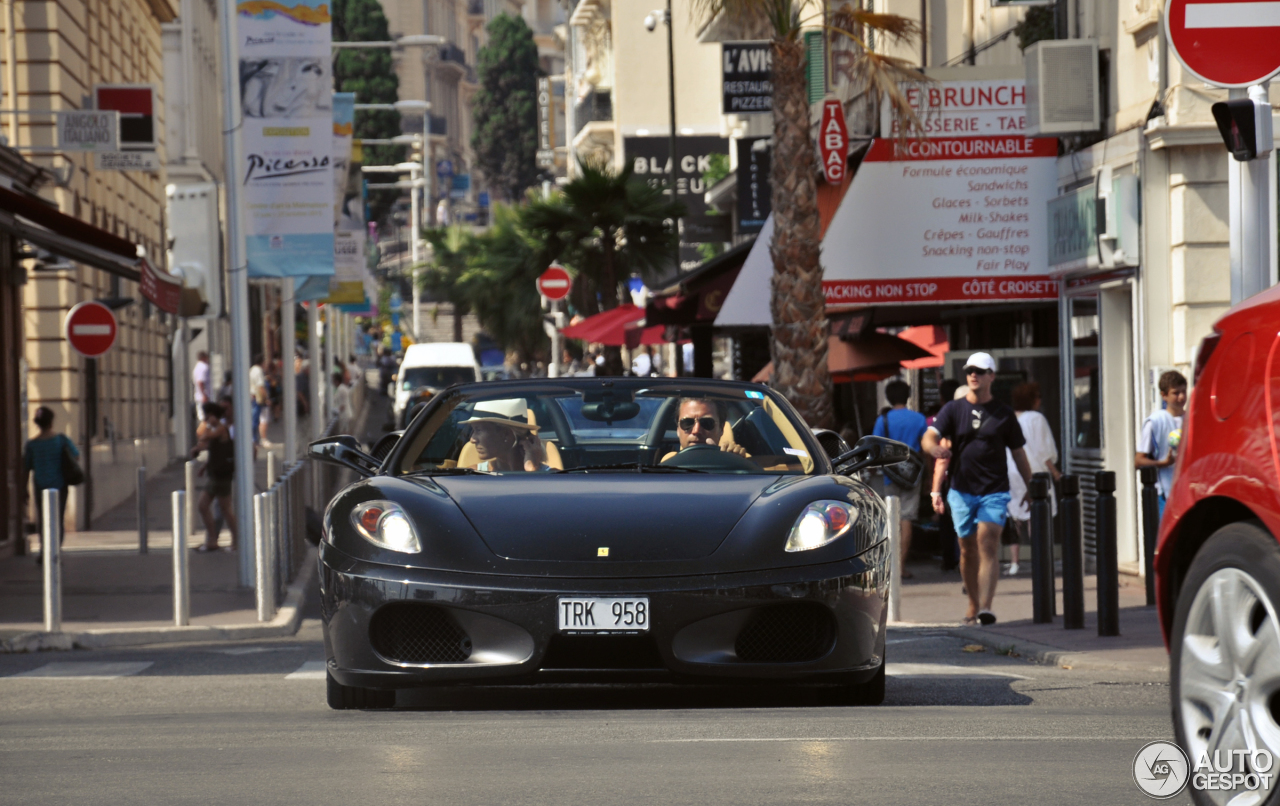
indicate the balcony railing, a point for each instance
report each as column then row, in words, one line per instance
column 596, row 106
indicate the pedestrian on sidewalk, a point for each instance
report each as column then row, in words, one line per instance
column 44, row 459
column 341, row 402
column 980, row 429
column 258, row 401
column 1162, row 432
column 202, row 393
column 214, row 436
column 1042, row 455
column 907, row 427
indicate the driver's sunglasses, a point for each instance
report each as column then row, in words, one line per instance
column 974, row 371
column 707, row 423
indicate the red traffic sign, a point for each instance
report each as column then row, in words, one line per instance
column 833, row 141
column 555, row 282
column 91, row 328
column 1230, row 43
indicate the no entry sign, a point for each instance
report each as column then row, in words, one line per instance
column 1230, row 43
column 91, row 329
column 554, row 283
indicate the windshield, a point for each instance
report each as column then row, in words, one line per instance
column 435, row 377
column 609, row 426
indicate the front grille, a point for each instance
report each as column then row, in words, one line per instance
column 787, row 633
column 408, row 632
column 602, row 652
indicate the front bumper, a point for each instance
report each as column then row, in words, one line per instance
column 511, row 629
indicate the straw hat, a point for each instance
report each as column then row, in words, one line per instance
column 512, row 413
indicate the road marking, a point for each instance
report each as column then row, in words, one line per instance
column 1233, row 15
column 85, row 670
column 311, row 670
column 253, row 650
column 965, row 738
column 945, row 670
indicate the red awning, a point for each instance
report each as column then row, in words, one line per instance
column 872, row 357
column 34, row 220
column 932, row 338
column 623, row 325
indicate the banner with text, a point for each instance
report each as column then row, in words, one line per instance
column 968, row 220
column 348, row 205
column 981, row 108
column 287, row 134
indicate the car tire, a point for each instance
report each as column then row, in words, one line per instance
column 344, row 698
column 1234, row 581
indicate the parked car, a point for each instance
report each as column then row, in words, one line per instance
column 427, row 369
column 526, row 530
column 1218, row 560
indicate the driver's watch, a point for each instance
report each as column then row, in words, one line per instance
column 936, row 494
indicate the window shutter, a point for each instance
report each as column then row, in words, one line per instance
column 815, row 70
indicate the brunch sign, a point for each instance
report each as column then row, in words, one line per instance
column 287, row 136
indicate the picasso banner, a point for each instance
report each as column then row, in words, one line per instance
column 286, row 91
column 348, row 205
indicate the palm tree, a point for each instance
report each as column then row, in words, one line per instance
column 499, row 284
column 605, row 226
column 451, row 247
column 799, row 335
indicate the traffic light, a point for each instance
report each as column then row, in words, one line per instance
column 1245, row 125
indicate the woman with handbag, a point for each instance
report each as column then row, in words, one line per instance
column 51, row 458
column 215, row 437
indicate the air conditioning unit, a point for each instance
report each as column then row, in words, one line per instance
column 1062, row 87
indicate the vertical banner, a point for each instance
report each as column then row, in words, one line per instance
column 286, row 88
column 348, row 205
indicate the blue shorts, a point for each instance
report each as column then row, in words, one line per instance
column 967, row 511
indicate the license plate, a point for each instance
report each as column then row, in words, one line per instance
column 594, row 615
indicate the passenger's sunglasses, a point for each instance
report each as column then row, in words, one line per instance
column 707, row 423
column 974, row 371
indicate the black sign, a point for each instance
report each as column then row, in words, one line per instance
column 755, row 191
column 747, row 69
column 651, row 159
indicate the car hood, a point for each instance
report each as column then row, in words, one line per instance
column 625, row 517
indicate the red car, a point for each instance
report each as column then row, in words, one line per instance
column 1218, row 559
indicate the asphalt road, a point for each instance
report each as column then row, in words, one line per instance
column 247, row 723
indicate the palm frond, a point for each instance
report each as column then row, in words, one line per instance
column 782, row 18
column 852, row 19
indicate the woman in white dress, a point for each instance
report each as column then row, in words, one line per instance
column 1042, row 455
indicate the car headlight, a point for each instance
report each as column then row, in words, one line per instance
column 385, row 524
column 821, row 523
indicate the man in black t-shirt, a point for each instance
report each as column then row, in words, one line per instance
column 978, row 429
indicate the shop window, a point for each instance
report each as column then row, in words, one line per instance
column 1086, row 390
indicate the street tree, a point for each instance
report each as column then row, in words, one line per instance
column 369, row 73
column 605, row 226
column 499, row 284
column 451, row 248
column 798, row 308
column 505, row 107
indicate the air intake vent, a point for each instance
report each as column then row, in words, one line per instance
column 408, row 632
column 787, row 633
column 1062, row 87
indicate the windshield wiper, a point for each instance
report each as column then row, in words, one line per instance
column 451, row 471
column 636, row 466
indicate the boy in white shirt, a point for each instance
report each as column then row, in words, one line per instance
column 1162, row 432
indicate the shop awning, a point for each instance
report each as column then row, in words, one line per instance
column 747, row 303
column 929, row 337
column 623, row 325
column 40, row 224
column 872, row 357
column 697, row 297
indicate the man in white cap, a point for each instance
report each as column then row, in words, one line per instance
column 979, row 428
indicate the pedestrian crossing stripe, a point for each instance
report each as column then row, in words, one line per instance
column 86, row 670
column 311, row 670
column 945, row 670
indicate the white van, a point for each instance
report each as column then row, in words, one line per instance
column 429, row 368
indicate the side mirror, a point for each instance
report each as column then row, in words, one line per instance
column 900, row 463
column 344, row 451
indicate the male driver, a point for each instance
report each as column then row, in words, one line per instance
column 980, row 429
column 700, row 422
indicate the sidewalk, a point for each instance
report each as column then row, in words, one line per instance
column 114, row 596
column 935, row 597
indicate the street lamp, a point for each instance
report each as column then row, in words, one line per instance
column 651, row 23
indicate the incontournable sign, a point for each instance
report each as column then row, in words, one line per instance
column 747, row 77
column 968, row 217
column 89, row 130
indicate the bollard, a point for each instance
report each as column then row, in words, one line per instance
column 1108, row 567
column 1072, row 553
column 181, row 584
column 1150, row 527
column 273, row 471
column 142, row 510
column 51, row 558
column 261, row 543
column 192, row 467
column 893, row 511
column 1043, row 594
